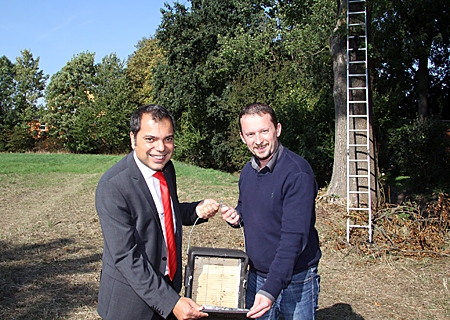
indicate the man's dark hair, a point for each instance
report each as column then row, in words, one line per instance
column 259, row 109
column 157, row 112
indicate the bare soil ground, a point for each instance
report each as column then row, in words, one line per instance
column 51, row 244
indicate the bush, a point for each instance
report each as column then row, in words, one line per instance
column 421, row 150
column 20, row 140
column 49, row 144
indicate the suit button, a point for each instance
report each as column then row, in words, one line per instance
column 164, row 258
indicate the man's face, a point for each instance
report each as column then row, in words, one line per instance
column 154, row 142
column 260, row 136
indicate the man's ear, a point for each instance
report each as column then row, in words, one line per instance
column 133, row 141
column 242, row 137
column 278, row 129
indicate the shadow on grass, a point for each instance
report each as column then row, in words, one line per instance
column 45, row 280
column 338, row 311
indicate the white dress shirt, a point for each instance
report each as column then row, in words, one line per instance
column 153, row 186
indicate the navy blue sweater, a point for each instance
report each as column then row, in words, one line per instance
column 277, row 208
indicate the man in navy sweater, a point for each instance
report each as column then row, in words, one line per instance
column 277, row 191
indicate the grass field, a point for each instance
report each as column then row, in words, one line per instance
column 51, row 244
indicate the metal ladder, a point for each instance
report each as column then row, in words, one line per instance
column 359, row 199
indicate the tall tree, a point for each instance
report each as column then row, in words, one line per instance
column 411, row 42
column 338, row 48
column 7, row 87
column 30, row 85
column 69, row 91
column 113, row 107
column 7, row 90
column 140, row 70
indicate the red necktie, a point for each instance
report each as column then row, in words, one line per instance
column 168, row 221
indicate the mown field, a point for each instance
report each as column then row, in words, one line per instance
column 51, row 245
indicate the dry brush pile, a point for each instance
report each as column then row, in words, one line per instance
column 410, row 229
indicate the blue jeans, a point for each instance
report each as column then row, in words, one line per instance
column 298, row 301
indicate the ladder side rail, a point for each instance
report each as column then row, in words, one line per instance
column 368, row 127
column 352, row 148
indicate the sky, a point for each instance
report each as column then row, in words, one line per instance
column 58, row 30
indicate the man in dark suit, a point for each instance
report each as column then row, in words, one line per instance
column 135, row 282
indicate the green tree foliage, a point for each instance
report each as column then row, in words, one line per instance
column 113, row 107
column 140, row 69
column 30, row 85
column 222, row 56
column 88, row 105
column 20, row 139
column 305, row 102
column 7, row 90
column 185, row 82
column 420, row 150
column 71, row 90
column 410, row 56
column 29, row 88
column 410, row 66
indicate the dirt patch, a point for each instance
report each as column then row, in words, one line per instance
column 51, row 244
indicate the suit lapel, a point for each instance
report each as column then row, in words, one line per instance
column 142, row 187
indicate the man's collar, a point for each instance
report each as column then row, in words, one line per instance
column 146, row 171
column 272, row 162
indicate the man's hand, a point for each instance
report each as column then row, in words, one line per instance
column 207, row 208
column 187, row 309
column 230, row 215
column 261, row 305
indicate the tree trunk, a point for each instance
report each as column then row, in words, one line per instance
column 422, row 86
column 338, row 183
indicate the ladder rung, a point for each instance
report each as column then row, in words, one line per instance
column 358, row 130
column 359, row 49
column 358, row 175
column 357, row 145
column 355, row 209
column 361, row 209
column 357, row 88
column 352, row 37
column 357, row 115
column 357, row 101
column 356, row 61
column 358, row 226
column 358, row 192
column 358, row 160
column 357, row 12
column 356, row 74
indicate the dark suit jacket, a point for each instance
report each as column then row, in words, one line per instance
column 132, row 284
